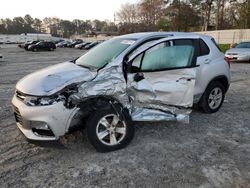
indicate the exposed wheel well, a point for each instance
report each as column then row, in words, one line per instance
column 92, row 104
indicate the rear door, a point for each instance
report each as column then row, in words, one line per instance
column 162, row 76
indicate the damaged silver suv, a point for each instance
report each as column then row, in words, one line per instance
column 135, row 77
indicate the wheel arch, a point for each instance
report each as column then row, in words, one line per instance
column 222, row 79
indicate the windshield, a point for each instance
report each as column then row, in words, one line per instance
column 243, row 45
column 104, row 53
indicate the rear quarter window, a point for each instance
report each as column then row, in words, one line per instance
column 204, row 49
column 216, row 44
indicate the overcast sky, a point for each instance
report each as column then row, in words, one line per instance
column 64, row 9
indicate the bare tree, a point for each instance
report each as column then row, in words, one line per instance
column 128, row 13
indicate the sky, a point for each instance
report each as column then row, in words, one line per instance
column 64, row 9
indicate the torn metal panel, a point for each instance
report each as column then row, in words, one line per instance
column 109, row 82
column 153, row 100
column 145, row 114
column 160, row 95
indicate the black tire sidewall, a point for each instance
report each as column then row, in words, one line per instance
column 91, row 131
column 204, row 100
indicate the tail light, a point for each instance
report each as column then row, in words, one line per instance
column 228, row 61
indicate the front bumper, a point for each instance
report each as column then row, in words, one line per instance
column 34, row 121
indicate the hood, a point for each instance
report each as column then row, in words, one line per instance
column 53, row 79
column 239, row 50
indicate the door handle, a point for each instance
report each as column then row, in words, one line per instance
column 207, row 61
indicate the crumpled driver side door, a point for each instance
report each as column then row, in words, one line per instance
column 160, row 82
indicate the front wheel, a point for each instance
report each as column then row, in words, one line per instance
column 213, row 97
column 107, row 131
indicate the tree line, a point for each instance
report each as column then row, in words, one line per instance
column 184, row 15
column 55, row 26
column 145, row 15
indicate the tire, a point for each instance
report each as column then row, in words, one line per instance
column 213, row 97
column 34, row 50
column 51, row 49
column 106, row 122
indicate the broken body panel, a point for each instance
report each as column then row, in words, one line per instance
column 159, row 96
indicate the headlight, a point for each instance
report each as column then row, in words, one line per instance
column 42, row 101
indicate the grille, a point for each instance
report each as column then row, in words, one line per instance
column 20, row 96
column 18, row 116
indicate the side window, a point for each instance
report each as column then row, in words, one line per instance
column 215, row 44
column 204, row 50
column 163, row 56
column 144, row 45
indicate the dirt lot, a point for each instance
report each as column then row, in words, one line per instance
column 212, row 151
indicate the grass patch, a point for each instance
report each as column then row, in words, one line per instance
column 224, row 47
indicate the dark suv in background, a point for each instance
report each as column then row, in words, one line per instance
column 42, row 46
column 27, row 44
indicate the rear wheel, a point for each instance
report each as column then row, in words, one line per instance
column 107, row 131
column 213, row 97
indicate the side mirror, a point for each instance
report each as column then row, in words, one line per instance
column 138, row 77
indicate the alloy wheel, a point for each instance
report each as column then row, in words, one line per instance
column 111, row 130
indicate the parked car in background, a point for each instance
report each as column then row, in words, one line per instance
column 240, row 52
column 42, row 46
column 75, row 42
column 91, row 45
column 137, row 77
column 58, row 41
column 62, row 44
column 27, row 44
column 82, row 45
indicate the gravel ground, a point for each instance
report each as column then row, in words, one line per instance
column 212, row 151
